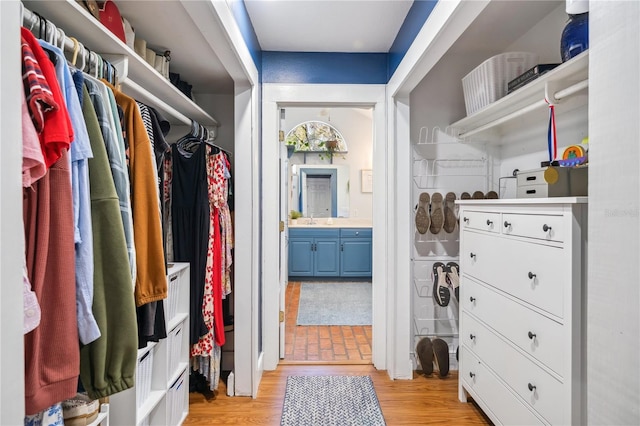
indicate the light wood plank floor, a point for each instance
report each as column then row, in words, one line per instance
column 422, row 401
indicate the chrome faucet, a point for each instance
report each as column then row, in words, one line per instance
column 311, row 221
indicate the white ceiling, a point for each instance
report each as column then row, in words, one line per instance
column 327, row 25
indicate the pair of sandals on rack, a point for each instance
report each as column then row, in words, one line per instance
column 432, row 351
column 435, row 212
column 446, row 278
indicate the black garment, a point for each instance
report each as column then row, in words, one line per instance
column 190, row 224
column 151, row 323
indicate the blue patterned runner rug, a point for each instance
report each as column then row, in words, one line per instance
column 331, row 401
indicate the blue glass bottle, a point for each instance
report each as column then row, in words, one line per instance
column 575, row 36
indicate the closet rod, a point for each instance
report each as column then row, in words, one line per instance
column 31, row 21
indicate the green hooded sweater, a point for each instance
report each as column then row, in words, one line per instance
column 108, row 365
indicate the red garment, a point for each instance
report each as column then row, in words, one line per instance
column 218, row 322
column 57, row 133
column 51, row 350
column 39, row 95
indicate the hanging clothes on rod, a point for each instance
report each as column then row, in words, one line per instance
column 91, row 61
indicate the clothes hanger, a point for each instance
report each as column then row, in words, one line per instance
column 76, row 46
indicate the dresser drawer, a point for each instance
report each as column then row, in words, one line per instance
column 483, row 221
column 541, row 227
column 355, row 233
column 536, row 387
column 502, row 405
column 481, row 301
column 535, row 273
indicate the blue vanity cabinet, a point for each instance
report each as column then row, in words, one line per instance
column 355, row 252
column 314, row 252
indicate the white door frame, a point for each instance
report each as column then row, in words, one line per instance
column 276, row 96
column 220, row 30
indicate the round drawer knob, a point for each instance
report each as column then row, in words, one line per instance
column 472, row 336
column 472, row 299
column 472, row 375
column 546, row 227
column 472, row 255
column 489, row 222
column 531, row 275
column 531, row 335
column 357, row 233
column 507, row 224
column 531, row 387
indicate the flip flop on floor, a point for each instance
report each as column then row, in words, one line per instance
column 449, row 212
column 454, row 278
column 441, row 293
column 424, row 349
column 422, row 214
column 437, row 214
column 441, row 356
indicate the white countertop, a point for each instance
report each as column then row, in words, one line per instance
column 334, row 222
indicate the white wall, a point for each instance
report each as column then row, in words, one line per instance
column 11, row 227
column 221, row 108
column 613, row 325
column 356, row 126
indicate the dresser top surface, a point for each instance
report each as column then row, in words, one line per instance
column 526, row 201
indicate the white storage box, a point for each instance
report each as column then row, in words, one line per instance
column 488, row 81
column 571, row 182
column 143, row 377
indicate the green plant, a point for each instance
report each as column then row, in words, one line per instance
column 294, row 214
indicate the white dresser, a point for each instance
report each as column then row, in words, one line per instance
column 522, row 309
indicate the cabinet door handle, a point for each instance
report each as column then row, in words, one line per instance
column 507, row 224
column 546, row 227
column 531, row 335
column 341, row 247
column 531, row 275
column 472, row 255
column 466, row 220
column 314, row 247
column 472, row 375
column 531, row 387
column 472, row 299
column 489, row 222
column 471, row 336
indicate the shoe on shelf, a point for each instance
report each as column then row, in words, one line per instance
column 80, row 410
column 441, row 356
column 449, row 212
column 441, row 293
column 478, row 195
column 437, row 213
column 424, row 350
column 454, row 278
column 422, row 214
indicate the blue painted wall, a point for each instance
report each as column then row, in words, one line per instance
column 332, row 68
column 320, row 67
column 413, row 22
column 241, row 15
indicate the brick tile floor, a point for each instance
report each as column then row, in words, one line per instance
column 330, row 344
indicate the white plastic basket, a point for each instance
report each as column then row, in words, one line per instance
column 488, row 81
column 143, row 378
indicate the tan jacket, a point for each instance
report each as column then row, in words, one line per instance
column 151, row 280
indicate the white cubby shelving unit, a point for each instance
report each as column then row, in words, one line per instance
column 161, row 393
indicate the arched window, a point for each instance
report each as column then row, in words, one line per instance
column 316, row 136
